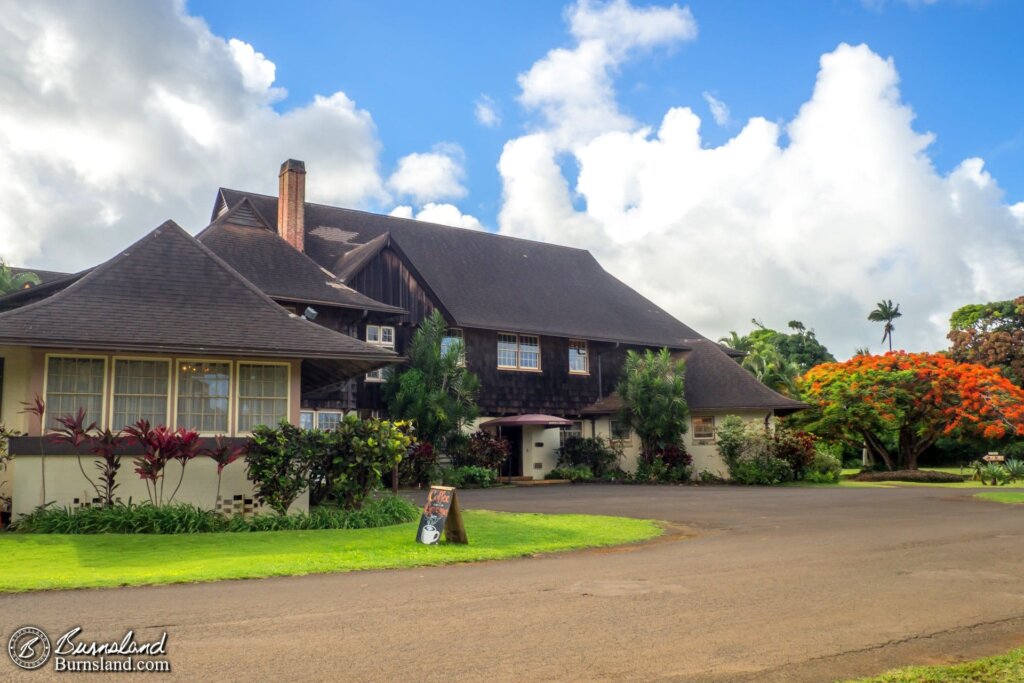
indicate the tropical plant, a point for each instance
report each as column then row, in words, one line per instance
column 278, row 463
column 593, row 452
column 223, row 454
column 38, row 408
column 654, row 403
column 12, row 282
column 899, row 404
column 482, row 449
column 991, row 334
column 886, row 312
column 435, row 391
column 160, row 446
column 420, row 466
column 470, row 476
column 1015, row 468
column 826, row 468
column 573, row 473
column 5, row 458
column 777, row 359
column 991, row 474
column 361, row 452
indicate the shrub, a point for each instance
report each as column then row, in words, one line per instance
column 761, row 469
column 1015, row 468
column 796, row 448
column 992, row 474
column 753, row 454
column 279, row 460
column 420, row 466
column 925, row 476
column 470, row 477
column 732, row 438
column 182, row 518
column 361, row 451
column 482, row 449
column 825, row 468
column 571, row 472
column 674, row 469
column 593, row 452
column 709, row 477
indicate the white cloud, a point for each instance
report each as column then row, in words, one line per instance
column 430, row 176
column 101, row 140
column 719, row 110
column 486, row 111
column 445, row 214
column 849, row 209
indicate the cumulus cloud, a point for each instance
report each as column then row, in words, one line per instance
column 101, row 140
column 814, row 219
column 430, row 176
column 445, row 214
column 486, row 111
column 718, row 108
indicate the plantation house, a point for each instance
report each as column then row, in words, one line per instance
column 281, row 308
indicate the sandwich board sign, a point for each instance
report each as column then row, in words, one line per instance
column 440, row 515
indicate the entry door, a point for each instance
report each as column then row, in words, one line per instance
column 513, row 467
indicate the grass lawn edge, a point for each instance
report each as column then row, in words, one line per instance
column 63, row 562
column 1003, row 497
column 1006, row 668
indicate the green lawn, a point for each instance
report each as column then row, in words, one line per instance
column 1008, row 497
column 41, row 561
column 1007, row 668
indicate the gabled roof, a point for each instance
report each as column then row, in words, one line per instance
column 490, row 281
column 168, row 293
column 244, row 239
column 714, row 382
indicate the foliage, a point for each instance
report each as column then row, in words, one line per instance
column 761, row 456
column 482, row 449
column 1015, row 468
column 992, row 474
column 278, row 463
column 183, row 518
column 731, row 436
column 709, row 477
column 991, row 334
column 5, row 458
column 659, row 471
column 162, row 445
column 886, row 312
column 901, row 403
column 470, row 477
column 435, row 391
column 776, row 358
column 1005, row 497
column 912, row 476
column 795, row 447
column 420, row 466
column 223, row 454
column 60, row 562
column 652, row 391
column 593, row 452
column 361, row 452
column 573, row 473
column 826, row 468
column 103, row 443
column 12, row 282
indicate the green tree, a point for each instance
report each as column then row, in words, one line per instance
column 886, row 312
column 652, row 391
column 12, row 282
column 776, row 358
column 991, row 334
column 435, row 390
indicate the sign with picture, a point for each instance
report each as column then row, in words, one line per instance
column 441, row 515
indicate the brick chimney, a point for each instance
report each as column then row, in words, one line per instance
column 291, row 203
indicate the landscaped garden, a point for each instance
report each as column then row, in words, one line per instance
column 42, row 561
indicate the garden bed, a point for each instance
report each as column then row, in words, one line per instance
column 36, row 562
column 914, row 476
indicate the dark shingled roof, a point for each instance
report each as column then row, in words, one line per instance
column 169, row 293
column 246, row 241
column 715, row 381
column 491, row 281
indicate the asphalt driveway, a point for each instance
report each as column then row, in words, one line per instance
column 753, row 584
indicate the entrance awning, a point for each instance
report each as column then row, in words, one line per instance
column 531, row 420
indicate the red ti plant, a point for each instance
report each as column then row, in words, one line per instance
column 223, row 454
column 72, row 430
column 38, row 408
column 160, row 446
column 105, row 444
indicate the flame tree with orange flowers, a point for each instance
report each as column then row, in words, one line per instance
column 899, row 404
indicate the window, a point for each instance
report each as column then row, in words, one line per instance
column 327, row 420
column 204, row 396
column 518, row 351
column 72, row 383
column 621, row 431
column 306, row 419
column 379, row 335
column 579, row 363
column 142, row 390
column 703, row 428
column 452, row 336
column 565, row 433
column 262, row 395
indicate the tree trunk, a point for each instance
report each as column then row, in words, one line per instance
column 877, row 449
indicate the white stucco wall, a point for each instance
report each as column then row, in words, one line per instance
column 64, row 482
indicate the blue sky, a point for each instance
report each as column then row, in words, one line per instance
column 862, row 150
column 418, row 67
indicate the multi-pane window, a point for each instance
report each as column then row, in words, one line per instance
column 204, row 396
column 262, row 395
column 307, row 419
column 379, row 335
column 704, row 428
column 327, row 420
column 569, row 432
column 518, row 351
column 141, row 392
column 621, row 431
column 453, row 336
column 73, row 383
column 578, row 357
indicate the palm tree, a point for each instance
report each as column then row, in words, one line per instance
column 861, row 351
column 886, row 312
column 12, row 282
column 735, row 341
